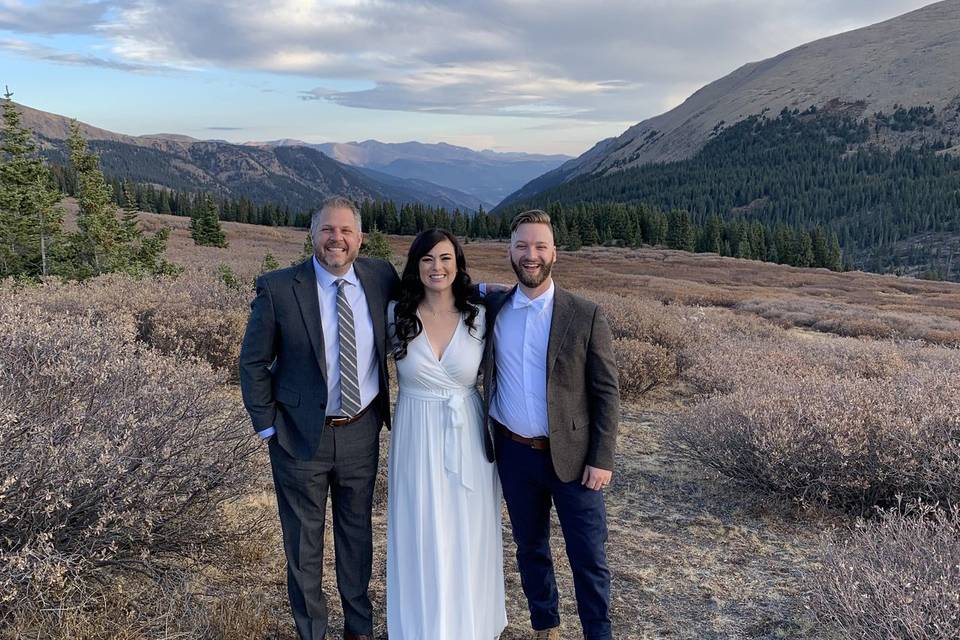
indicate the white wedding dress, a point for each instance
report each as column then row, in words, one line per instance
column 444, row 550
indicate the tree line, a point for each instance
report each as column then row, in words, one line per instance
column 33, row 241
column 35, row 244
column 800, row 171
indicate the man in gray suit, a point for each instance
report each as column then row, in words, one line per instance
column 553, row 401
column 313, row 373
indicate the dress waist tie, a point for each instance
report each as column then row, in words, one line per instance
column 455, row 460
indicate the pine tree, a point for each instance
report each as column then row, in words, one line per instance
column 408, row 222
column 821, row 251
column 573, row 239
column 834, row 256
column 713, row 235
column 375, row 245
column 680, row 231
column 269, row 263
column 205, row 226
column 130, row 210
column 30, row 216
column 107, row 243
column 101, row 232
column 804, row 249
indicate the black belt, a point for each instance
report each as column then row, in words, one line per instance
column 541, row 444
column 342, row 421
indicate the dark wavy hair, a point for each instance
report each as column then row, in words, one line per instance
column 407, row 324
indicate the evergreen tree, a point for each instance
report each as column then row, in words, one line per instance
column 375, row 245
column 834, row 256
column 130, row 210
column 713, row 235
column 30, row 216
column 820, row 248
column 591, row 237
column 205, row 226
column 269, row 263
column 573, row 239
column 804, row 250
column 101, row 233
column 106, row 243
column 680, row 231
column 408, row 221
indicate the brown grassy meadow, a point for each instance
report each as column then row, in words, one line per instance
column 767, row 409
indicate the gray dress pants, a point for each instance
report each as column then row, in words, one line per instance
column 345, row 464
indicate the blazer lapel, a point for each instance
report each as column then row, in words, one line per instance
column 559, row 323
column 375, row 303
column 305, row 290
column 494, row 303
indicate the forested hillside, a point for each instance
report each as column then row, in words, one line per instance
column 805, row 170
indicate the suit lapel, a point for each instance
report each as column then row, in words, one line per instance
column 494, row 303
column 305, row 290
column 375, row 303
column 559, row 323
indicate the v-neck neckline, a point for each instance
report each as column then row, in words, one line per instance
column 446, row 348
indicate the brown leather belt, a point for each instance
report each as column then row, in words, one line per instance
column 541, row 444
column 341, row 421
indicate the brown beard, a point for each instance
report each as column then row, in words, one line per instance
column 526, row 280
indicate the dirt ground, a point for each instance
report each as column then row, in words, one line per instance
column 692, row 556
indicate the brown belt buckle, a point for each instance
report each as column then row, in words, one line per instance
column 540, row 444
column 343, row 421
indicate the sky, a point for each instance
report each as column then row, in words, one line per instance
column 540, row 76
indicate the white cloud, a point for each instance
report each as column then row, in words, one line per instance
column 614, row 60
column 52, row 16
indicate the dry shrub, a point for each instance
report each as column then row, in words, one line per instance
column 731, row 352
column 642, row 366
column 846, row 319
column 115, row 461
column 194, row 315
column 896, row 578
column 649, row 339
column 646, row 320
column 854, row 443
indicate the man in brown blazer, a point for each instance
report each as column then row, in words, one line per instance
column 553, row 402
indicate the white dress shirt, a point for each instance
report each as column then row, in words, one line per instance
column 363, row 332
column 522, row 332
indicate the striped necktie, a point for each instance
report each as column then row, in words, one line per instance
column 349, row 381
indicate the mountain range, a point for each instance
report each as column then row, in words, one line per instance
column 488, row 175
column 909, row 61
column 298, row 174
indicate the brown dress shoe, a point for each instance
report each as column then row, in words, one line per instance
column 547, row 634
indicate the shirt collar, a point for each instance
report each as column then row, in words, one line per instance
column 541, row 302
column 327, row 279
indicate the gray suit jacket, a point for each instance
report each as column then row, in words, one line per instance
column 583, row 393
column 282, row 361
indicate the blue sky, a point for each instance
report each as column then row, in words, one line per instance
column 548, row 76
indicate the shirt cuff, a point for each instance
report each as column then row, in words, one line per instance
column 266, row 433
column 482, row 288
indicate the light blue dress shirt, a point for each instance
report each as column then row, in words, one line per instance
column 522, row 332
column 363, row 332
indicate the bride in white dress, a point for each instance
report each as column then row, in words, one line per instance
column 444, row 550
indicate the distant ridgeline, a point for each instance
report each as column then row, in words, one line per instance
column 386, row 216
column 764, row 178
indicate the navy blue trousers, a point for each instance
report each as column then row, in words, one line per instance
column 530, row 487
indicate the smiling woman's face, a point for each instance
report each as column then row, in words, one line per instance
column 438, row 267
